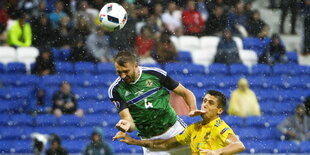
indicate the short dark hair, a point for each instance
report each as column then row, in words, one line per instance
column 124, row 57
column 220, row 97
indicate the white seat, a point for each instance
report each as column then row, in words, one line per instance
column 27, row 55
column 203, row 57
column 238, row 42
column 7, row 54
column 176, row 42
column 189, row 43
column 248, row 57
column 209, row 43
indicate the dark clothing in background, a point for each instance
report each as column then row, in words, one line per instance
column 65, row 98
column 215, row 24
column 42, row 64
column 227, row 52
column 285, row 6
column 273, row 54
column 59, row 151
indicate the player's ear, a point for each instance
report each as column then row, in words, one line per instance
column 220, row 110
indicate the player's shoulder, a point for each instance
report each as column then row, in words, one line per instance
column 154, row 71
column 221, row 126
column 113, row 86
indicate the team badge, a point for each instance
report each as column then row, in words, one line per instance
column 149, row 83
column 207, row 136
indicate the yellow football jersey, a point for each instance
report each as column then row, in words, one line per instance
column 209, row 136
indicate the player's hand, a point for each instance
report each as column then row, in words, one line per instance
column 196, row 113
column 208, row 152
column 123, row 125
column 124, row 137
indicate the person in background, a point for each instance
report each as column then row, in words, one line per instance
column 64, row 102
column 79, row 52
column 44, row 64
column 165, row 49
column 97, row 146
column 42, row 31
column 285, row 6
column 236, row 20
column 306, row 28
column 243, row 101
column 255, row 24
column 296, row 127
column 192, row 21
column 20, row 34
column 172, row 17
column 227, row 50
column 98, row 45
column 274, row 52
column 56, row 148
column 217, row 21
column 307, row 105
column 62, row 35
column 144, row 45
column 57, row 14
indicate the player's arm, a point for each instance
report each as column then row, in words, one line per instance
column 187, row 95
column 234, row 146
column 162, row 144
column 126, row 123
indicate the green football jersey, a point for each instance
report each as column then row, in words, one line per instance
column 147, row 100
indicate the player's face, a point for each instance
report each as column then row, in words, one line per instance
column 128, row 72
column 210, row 105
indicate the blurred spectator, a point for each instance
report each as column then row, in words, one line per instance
column 20, row 34
column 142, row 9
column 287, row 5
column 144, row 45
column 124, row 39
column 273, row 4
column 39, row 142
column 82, row 12
column 236, row 20
column 248, row 12
column 98, row 45
column 44, row 64
column 296, row 127
column 156, row 29
column 98, row 146
column 213, row 3
column 56, row 148
column 227, row 50
column 4, row 17
column 255, row 25
column 243, row 101
column 172, row 17
column 217, row 21
column 165, row 49
column 274, row 52
column 27, row 5
column 41, row 9
column 62, row 35
column 158, row 11
column 64, row 102
column 307, row 105
column 79, row 52
column 36, row 100
column 202, row 8
column 306, row 26
column 42, row 31
column 192, row 21
column 81, row 29
column 57, row 14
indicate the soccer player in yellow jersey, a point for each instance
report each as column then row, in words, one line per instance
column 210, row 136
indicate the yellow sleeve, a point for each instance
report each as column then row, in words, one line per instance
column 185, row 137
column 27, row 35
column 14, row 34
column 223, row 131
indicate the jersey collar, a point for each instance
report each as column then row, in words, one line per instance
column 213, row 122
column 140, row 73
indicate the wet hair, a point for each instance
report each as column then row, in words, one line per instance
column 220, row 97
column 125, row 57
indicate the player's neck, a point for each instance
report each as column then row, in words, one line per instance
column 208, row 120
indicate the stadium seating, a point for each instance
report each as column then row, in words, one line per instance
column 27, row 55
column 7, row 54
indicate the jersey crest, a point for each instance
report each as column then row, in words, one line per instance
column 149, row 83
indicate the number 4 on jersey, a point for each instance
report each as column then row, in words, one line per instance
column 147, row 104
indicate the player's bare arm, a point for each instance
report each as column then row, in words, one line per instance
column 162, row 144
column 188, row 96
column 126, row 123
column 234, row 146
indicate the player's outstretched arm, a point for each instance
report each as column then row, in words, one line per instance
column 126, row 124
column 234, row 146
column 162, row 144
column 188, row 96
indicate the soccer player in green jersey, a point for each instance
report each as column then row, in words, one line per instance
column 142, row 98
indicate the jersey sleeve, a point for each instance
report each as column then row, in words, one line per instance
column 223, row 131
column 185, row 137
column 117, row 101
column 164, row 78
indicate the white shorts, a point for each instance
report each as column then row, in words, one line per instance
column 177, row 128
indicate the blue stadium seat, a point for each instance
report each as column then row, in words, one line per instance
column 105, row 68
column 82, row 68
column 190, row 120
column 287, row 147
column 5, row 118
column 304, row 147
column 89, row 93
column 238, row 69
column 2, row 68
column 70, row 120
column 22, row 120
column 292, row 57
column 248, row 133
column 15, row 133
column 97, row 107
column 185, row 57
column 106, row 119
column 185, row 69
column 218, row 69
column 65, row 54
column 27, row 81
column 261, row 146
column 157, row 65
column 234, row 121
column 56, row 54
column 258, row 81
column 261, row 69
column 269, row 134
column 52, row 81
column 64, row 67
column 108, row 79
column 123, row 148
column 46, row 120
column 285, row 69
column 17, row 146
column 273, row 121
column 255, row 121
column 16, row 68
column 74, row 146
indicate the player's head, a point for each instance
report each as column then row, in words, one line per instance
column 126, row 65
column 213, row 103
